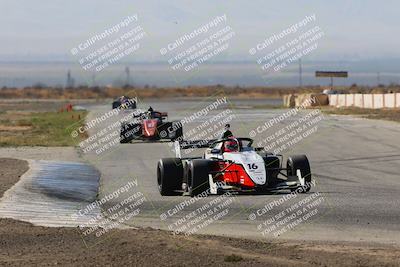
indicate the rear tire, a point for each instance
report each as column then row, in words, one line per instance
column 198, row 177
column 116, row 104
column 133, row 105
column 178, row 131
column 178, row 135
column 300, row 162
column 169, row 176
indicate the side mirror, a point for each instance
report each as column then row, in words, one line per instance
column 215, row 151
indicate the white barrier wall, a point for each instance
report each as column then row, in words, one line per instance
column 333, row 100
column 358, row 100
column 368, row 101
column 397, row 97
column 390, row 100
column 365, row 100
column 378, row 101
column 349, row 100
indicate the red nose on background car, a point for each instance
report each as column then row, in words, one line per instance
column 150, row 125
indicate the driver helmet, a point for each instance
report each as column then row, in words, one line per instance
column 232, row 145
column 122, row 99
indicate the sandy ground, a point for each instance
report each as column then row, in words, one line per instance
column 23, row 244
column 10, row 172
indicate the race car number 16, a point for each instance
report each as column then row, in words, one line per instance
column 252, row 166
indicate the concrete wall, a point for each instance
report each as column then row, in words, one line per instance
column 365, row 100
column 358, row 100
column 368, row 101
column 390, row 100
column 344, row 100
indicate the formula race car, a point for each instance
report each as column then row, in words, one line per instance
column 124, row 102
column 231, row 164
column 150, row 125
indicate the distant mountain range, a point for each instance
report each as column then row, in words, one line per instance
column 244, row 73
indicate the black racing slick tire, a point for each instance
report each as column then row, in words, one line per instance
column 133, row 104
column 169, row 176
column 300, row 162
column 178, row 135
column 116, row 104
column 122, row 133
column 198, row 181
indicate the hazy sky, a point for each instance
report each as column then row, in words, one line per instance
column 48, row 29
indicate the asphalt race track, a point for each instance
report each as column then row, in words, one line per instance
column 355, row 163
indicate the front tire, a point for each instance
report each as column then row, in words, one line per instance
column 169, row 176
column 198, row 177
column 300, row 162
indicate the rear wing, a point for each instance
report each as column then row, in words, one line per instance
column 154, row 114
column 191, row 144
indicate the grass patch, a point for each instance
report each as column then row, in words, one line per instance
column 380, row 114
column 40, row 128
column 233, row 258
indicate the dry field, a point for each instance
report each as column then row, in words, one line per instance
column 27, row 123
column 192, row 91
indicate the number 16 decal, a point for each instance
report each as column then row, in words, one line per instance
column 252, row 166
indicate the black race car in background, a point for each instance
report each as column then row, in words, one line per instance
column 151, row 125
column 124, row 102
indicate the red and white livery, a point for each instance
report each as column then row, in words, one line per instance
column 231, row 164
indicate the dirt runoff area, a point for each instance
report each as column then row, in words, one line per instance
column 22, row 244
